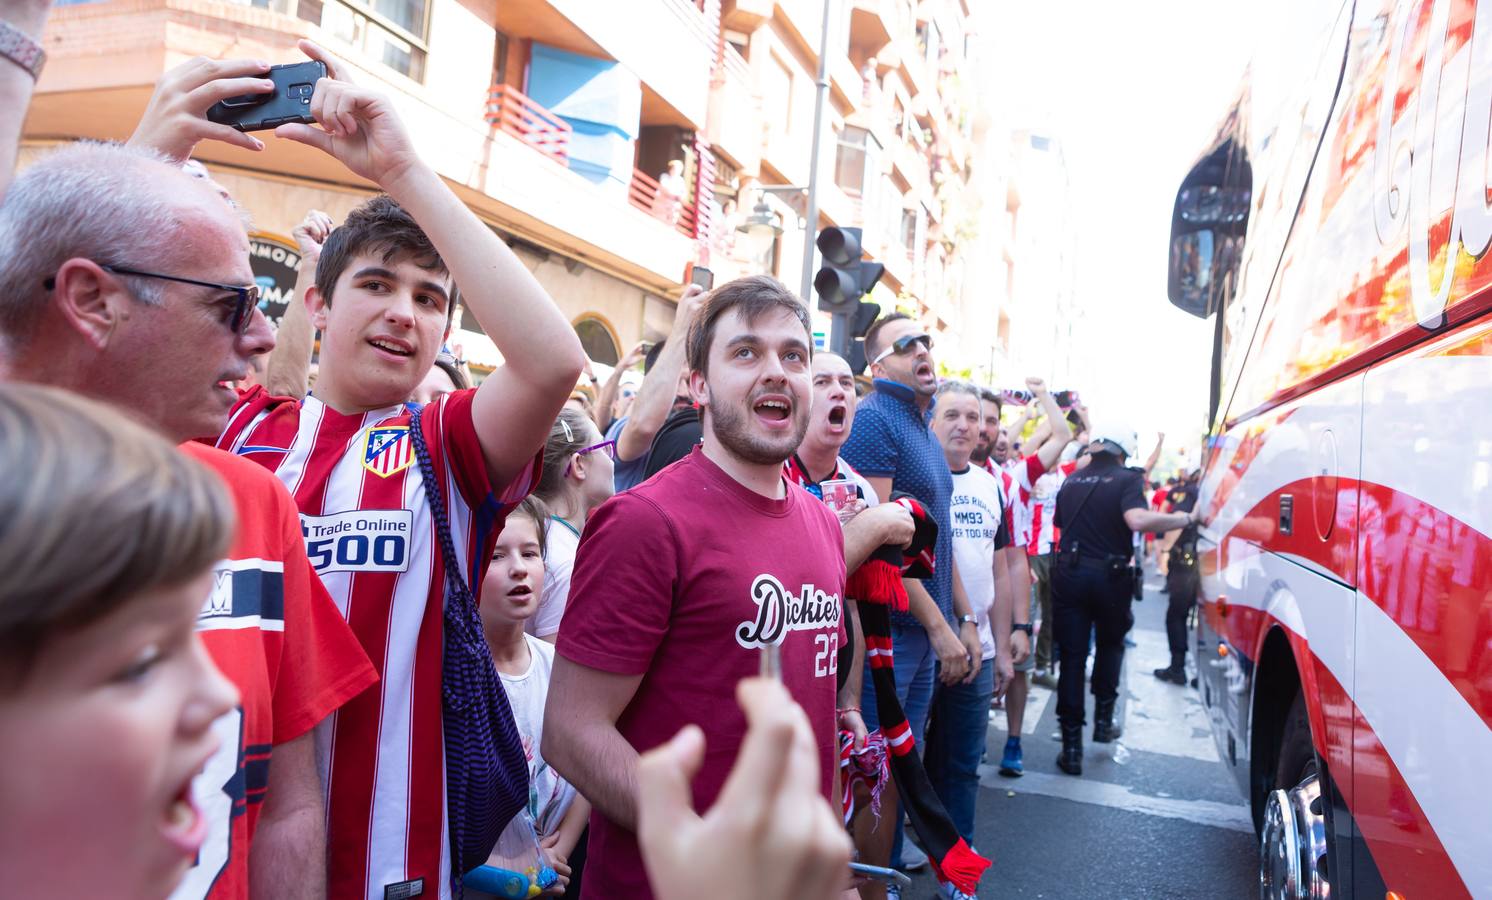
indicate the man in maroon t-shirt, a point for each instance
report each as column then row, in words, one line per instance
column 682, row 583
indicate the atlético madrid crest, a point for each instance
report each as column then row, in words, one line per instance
column 388, row 450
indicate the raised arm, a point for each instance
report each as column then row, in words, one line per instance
column 542, row 356
column 661, row 385
column 288, row 369
column 1050, row 449
column 1160, row 441
column 606, row 400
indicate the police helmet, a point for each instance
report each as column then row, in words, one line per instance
column 1114, row 437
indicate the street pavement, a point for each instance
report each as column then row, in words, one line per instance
column 1154, row 815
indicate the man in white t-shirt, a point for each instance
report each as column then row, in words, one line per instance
column 960, row 712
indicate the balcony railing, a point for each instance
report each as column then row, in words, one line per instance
column 644, row 193
column 510, row 111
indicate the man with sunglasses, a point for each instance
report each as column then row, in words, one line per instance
column 893, row 446
column 147, row 301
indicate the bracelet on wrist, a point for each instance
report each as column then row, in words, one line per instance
column 18, row 47
column 847, row 709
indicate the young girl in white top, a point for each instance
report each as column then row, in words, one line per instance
column 510, row 596
column 578, row 476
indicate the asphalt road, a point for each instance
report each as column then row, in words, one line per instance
column 1154, row 815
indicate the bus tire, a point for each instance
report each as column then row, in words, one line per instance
column 1293, row 860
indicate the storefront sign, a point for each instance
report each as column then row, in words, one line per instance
column 274, row 260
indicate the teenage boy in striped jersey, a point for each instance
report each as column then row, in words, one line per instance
column 386, row 284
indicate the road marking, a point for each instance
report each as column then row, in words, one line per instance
column 1099, row 793
column 1037, row 700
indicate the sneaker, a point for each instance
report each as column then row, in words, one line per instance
column 912, row 857
column 1011, row 765
column 1045, row 679
column 949, row 892
column 893, row 892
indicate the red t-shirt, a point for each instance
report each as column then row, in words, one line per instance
column 682, row 580
column 272, row 629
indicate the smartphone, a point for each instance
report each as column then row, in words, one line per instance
column 701, row 276
column 289, row 102
column 889, row 876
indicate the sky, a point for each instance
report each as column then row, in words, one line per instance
column 1134, row 92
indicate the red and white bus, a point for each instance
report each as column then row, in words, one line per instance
column 1338, row 229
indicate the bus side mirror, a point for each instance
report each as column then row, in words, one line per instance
column 1207, row 228
column 1191, row 272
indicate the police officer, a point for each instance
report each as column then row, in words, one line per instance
column 1183, row 580
column 1099, row 508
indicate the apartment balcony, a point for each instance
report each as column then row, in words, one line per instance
column 510, row 112
column 746, row 15
column 677, row 212
column 876, row 23
column 672, row 55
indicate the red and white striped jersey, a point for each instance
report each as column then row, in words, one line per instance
column 1024, row 472
column 1044, row 532
column 370, row 536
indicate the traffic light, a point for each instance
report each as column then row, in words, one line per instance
column 840, row 284
column 844, row 278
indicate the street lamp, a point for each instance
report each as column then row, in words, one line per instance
column 760, row 230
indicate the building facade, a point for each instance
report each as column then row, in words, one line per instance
column 610, row 143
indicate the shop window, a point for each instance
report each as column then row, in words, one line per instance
column 596, row 340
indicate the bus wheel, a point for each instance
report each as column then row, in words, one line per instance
column 1293, row 845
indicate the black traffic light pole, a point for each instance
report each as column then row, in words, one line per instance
column 812, row 216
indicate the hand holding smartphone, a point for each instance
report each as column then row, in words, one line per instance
column 699, row 275
column 295, row 83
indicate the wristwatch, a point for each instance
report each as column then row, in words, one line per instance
column 18, row 47
column 1021, row 626
column 967, row 619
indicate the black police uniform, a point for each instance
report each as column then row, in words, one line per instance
column 1182, row 583
column 1092, row 586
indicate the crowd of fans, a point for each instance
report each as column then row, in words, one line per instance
column 699, row 585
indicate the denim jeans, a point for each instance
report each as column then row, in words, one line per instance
column 913, row 663
column 956, row 734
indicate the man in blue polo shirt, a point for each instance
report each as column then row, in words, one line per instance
column 894, row 448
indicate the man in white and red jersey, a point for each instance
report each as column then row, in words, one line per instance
column 129, row 281
column 1041, row 544
column 385, row 288
column 683, row 584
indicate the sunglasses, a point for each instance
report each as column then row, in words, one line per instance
column 903, row 345
column 245, row 297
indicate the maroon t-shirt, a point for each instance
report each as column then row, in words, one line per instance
column 682, row 580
